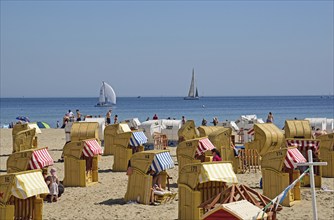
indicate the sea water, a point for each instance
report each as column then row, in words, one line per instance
column 51, row 110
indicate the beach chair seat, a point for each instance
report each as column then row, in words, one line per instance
column 163, row 196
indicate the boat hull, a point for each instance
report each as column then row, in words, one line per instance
column 191, row 98
column 103, row 105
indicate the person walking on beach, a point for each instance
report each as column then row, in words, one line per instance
column 78, row 115
column 204, row 122
column 116, row 119
column 70, row 115
column 183, row 120
column 270, row 118
column 108, row 116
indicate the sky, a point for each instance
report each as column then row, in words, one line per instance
column 149, row 48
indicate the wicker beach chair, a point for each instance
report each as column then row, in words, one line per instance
column 198, row 182
column 20, row 195
column 140, row 182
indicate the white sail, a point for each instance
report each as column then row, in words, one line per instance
column 107, row 96
column 109, row 93
column 193, row 92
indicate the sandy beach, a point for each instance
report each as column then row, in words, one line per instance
column 104, row 200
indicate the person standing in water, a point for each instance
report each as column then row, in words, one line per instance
column 270, row 118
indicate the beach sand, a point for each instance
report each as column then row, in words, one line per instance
column 104, row 200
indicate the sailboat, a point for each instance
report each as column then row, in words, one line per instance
column 193, row 91
column 107, row 96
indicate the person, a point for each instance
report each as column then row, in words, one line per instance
column 216, row 155
column 78, row 115
column 66, row 119
column 155, row 117
column 270, row 118
column 319, row 132
column 58, row 125
column 116, row 119
column 53, row 182
column 183, row 120
column 108, row 116
column 148, row 118
column 156, row 181
column 215, row 121
column 70, row 115
column 156, row 185
column 204, row 122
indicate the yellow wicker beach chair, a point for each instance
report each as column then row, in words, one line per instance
column 24, row 138
column 188, row 131
column 31, row 159
column 267, row 137
column 110, row 133
column 194, row 151
column 278, row 172
column 221, row 139
column 327, row 153
column 200, row 181
column 299, row 133
column 20, row 195
column 81, row 162
column 140, row 182
column 126, row 144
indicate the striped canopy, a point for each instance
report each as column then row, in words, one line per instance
column 222, row 172
column 138, row 138
column 204, row 145
column 293, row 156
column 40, row 158
column 29, row 184
column 91, row 148
column 162, row 161
column 304, row 144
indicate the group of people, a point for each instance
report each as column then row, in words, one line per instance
column 108, row 118
column 70, row 117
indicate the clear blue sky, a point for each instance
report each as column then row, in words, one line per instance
column 65, row 49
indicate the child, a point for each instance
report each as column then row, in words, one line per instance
column 216, row 155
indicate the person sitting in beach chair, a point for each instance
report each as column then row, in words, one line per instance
column 53, row 182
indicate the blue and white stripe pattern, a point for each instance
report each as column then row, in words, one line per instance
column 138, row 138
column 162, row 161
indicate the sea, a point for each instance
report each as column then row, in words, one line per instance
column 231, row 108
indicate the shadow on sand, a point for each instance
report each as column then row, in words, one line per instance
column 105, row 171
column 119, row 201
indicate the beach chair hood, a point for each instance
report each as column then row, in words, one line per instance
column 193, row 174
column 29, row 159
column 158, row 160
column 22, row 185
column 87, row 148
column 278, row 158
column 298, row 129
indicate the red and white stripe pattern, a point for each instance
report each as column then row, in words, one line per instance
column 304, row 144
column 91, row 148
column 204, row 145
column 251, row 131
column 40, row 158
column 293, row 156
